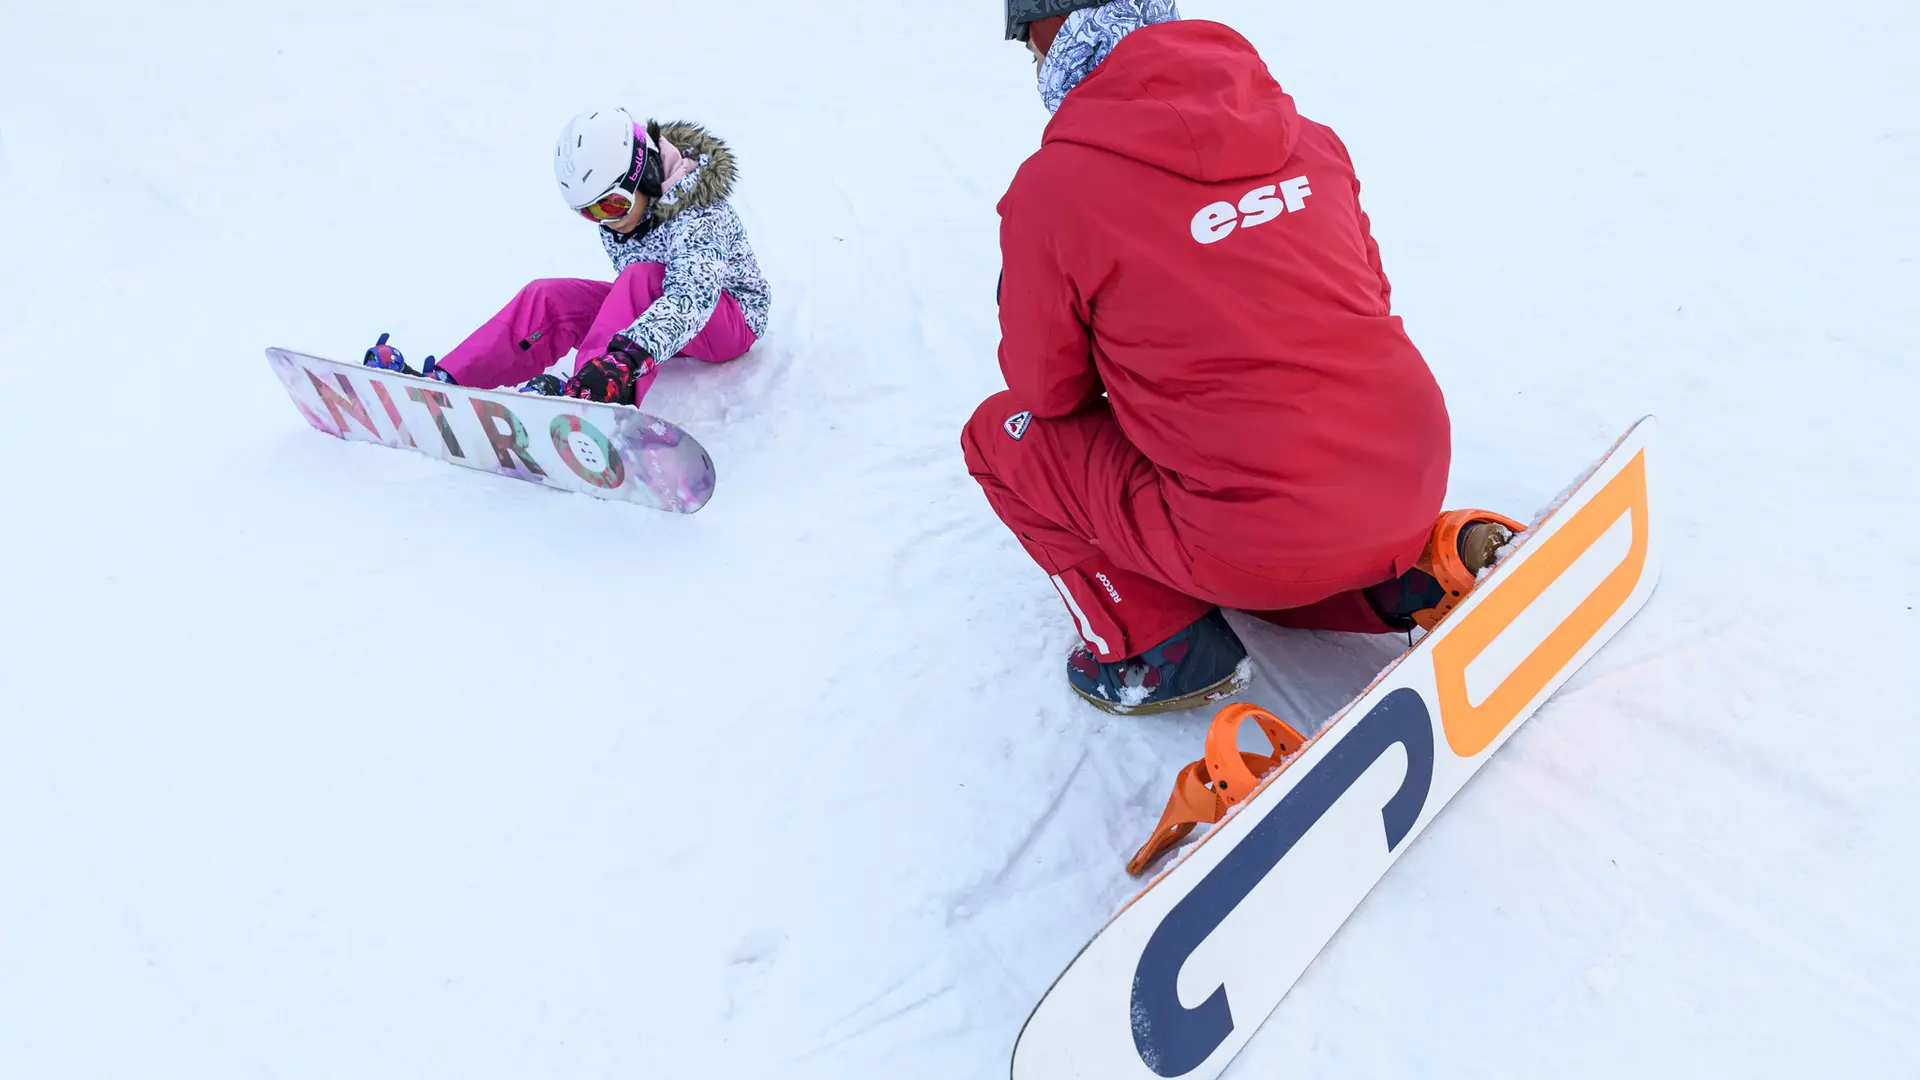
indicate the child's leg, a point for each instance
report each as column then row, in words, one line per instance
column 632, row 293
column 538, row 327
column 725, row 337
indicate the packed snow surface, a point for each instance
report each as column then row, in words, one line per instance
column 321, row 760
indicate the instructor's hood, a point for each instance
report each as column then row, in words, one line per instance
column 1191, row 97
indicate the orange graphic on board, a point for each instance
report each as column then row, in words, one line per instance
column 1472, row 728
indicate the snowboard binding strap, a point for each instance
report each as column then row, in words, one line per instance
column 1206, row 789
column 1446, row 562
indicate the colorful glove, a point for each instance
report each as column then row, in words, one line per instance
column 611, row 377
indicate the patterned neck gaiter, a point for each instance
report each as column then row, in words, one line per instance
column 1086, row 38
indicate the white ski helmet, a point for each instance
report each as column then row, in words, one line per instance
column 600, row 149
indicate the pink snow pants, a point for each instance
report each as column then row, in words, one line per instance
column 553, row 316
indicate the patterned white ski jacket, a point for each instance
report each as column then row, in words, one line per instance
column 694, row 232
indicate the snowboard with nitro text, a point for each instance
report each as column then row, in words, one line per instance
column 614, row 452
column 1177, row 982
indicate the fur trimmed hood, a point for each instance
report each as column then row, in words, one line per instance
column 713, row 175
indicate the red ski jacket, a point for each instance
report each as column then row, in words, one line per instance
column 1185, row 241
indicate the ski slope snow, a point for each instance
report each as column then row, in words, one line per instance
column 320, row 760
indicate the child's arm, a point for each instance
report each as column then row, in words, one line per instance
column 689, row 295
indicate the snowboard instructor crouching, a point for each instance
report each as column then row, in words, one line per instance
column 1210, row 401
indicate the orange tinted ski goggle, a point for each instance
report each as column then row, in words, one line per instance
column 643, row 176
column 612, row 206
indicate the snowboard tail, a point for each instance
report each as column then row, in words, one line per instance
column 613, row 452
column 1239, row 916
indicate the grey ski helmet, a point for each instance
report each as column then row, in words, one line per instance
column 1022, row 12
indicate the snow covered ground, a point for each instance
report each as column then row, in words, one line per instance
column 319, row 760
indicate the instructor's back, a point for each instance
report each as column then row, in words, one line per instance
column 1210, row 402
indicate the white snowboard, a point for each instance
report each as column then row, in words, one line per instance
column 1179, row 980
column 606, row 451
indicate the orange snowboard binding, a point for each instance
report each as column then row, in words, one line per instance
column 1463, row 543
column 1205, row 790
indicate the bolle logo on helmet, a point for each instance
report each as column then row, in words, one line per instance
column 1217, row 221
column 1016, row 424
column 641, row 144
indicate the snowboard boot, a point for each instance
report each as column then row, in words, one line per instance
column 610, row 377
column 1203, row 662
column 1464, row 544
column 387, row 358
column 547, row 385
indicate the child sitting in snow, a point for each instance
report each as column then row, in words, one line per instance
column 687, row 284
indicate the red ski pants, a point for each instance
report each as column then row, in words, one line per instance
column 1087, row 505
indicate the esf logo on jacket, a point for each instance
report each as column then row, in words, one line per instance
column 1216, row 221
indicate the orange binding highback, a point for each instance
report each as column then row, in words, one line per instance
column 1206, row 789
